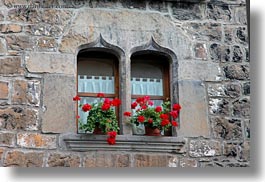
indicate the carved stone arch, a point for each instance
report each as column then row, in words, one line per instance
column 100, row 44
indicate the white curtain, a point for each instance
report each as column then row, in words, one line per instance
column 147, row 86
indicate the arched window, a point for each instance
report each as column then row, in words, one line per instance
column 97, row 73
column 150, row 76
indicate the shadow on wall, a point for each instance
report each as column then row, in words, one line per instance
column 252, row 172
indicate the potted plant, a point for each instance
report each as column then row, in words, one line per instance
column 101, row 118
column 154, row 119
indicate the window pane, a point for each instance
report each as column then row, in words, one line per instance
column 146, row 79
column 96, row 75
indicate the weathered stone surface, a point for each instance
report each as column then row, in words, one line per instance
column 203, row 148
column 241, row 15
column 63, row 160
column 227, row 129
column 45, row 30
column 241, row 35
column 247, row 129
column 1, row 154
column 200, row 51
column 107, row 160
column 229, row 34
column 24, row 15
column 23, row 159
column 237, row 72
column 10, row 65
column 58, row 108
column 219, row 106
column 4, row 90
column 192, row 98
column 17, row 118
column 7, row 139
column 216, row 52
column 241, row 108
column 231, row 90
column 131, row 4
column 246, row 88
column 219, row 12
column 26, row 92
column 186, row 162
column 191, row 70
column 157, row 6
column 45, row 44
column 237, row 165
column 50, row 16
column 71, row 41
column 204, row 31
column 10, row 28
column 238, row 55
column 188, row 11
column 36, row 140
column 239, row 152
column 51, row 63
column 104, row 4
column 19, row 42
column 3, row 48
column 211, row 164
column 144, row 160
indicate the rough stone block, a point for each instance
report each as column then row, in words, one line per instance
column 188, row 11
column 157, row 6
column 192, row 98
column 26, row 92
column 4, row 90
column 44, row 30
column 219, row 106
column 237, row 72
column 10, row 65
column 19, row 42
column 45, row 44
column 241, row 35
column 238, row 54
column 50, row 63
column 228, row 129
column 219, row 12
column 23, row 159
column 144, row 160
column 241, row 108
column 185, row 162
column 10, row 28
column 247, row 129
column 200, row 51
column 36, row 140
column 106, row 160
column 204, row 31
column 231, row 90
column 241, row 15
column 17, row 118
column 59, row 109
column 3, row 49
column 63, row 160
column 7, row 139
column 203, row 148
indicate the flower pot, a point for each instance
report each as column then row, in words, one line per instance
column 152, row 131
column 98, row 130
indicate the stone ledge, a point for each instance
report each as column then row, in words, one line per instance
column 89, row 142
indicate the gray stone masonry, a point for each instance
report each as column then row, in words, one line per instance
column 206, row 41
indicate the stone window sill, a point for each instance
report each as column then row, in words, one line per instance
column 132, row 143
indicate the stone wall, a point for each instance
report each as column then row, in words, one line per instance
column 39, row 44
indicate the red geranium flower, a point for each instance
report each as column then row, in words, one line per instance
column 86, row 107
column 127, row 114
column 163, row 116
column 100, row 95
column 165, row 122
column 158, row 109
column 144, row 107
column 141, row 119
column 150, row 103
column 174, row 114
column 134, row 105
column 116, row 102
column 107, row 101
column 77, row 117
column 76, row 98
column 111, row 141
column 105, row 107
column 176, row 107
column 174, row 123
column 150, row 120
column 112, row 134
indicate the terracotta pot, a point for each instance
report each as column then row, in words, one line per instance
column 98, row 130
column 152, row 131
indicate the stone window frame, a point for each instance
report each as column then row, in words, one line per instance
column 126, row 141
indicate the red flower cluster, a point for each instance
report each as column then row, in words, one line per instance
column 112, row 137
column 108, row 103
column 141, row 119
column 86, row 107
column 76, row 98
column 100, row 95
column 127, row 114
